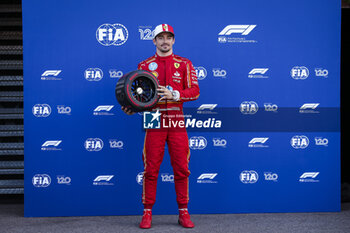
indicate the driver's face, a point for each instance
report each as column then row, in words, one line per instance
column 164, row 42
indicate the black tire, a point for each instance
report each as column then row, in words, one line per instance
column 137, row 90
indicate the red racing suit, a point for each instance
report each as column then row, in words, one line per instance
column 178, row 73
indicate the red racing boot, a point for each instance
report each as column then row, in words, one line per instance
column 146, row 221
column 184, row 219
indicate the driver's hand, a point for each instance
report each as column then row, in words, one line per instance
column 164, row 93
column 127, row 111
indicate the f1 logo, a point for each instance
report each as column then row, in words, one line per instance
column 241, row 29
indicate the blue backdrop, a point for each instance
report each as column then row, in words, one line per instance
column 269, row 71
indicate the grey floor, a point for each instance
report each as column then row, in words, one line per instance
column 12, row 221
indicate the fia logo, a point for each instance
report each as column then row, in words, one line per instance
column 299, row 142
column 222, row 39
column 139, row 178
column 41, row 180
column 249, row 177
column 151, row 120
column 93, row 74
column 93, row 144
column 299, row 72
column 248, row 107
column 41, row 110
column 201, row 72
column 197, row 143
column 112, row 34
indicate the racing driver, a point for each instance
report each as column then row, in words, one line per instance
column 177, row 84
